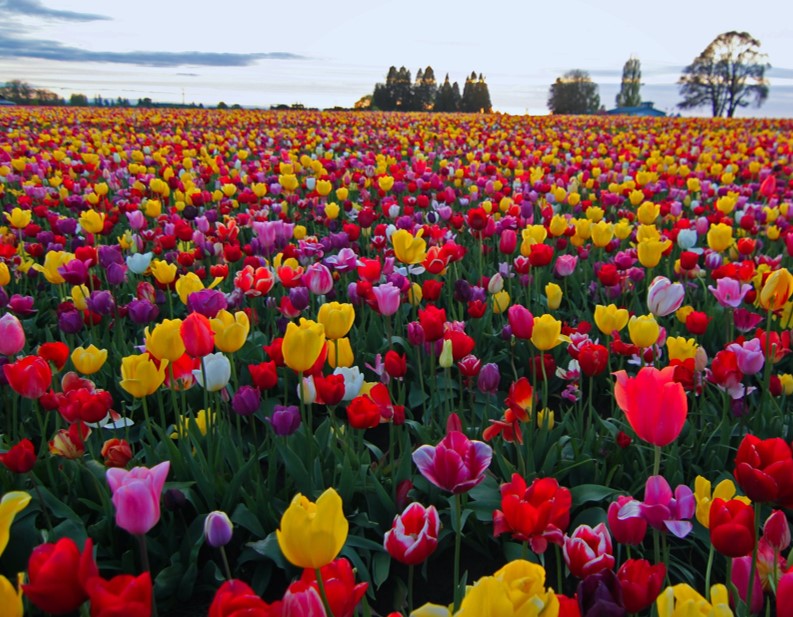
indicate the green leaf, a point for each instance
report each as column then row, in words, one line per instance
column 585, row 493
column 246, row 519
column 381, row 565
column 269, row 548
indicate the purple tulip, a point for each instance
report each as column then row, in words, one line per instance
column 207, row 302
column 662, row 509
column 75, row 272
column 21, row 305
column 136, row 496
column 70, row 320
column 101, row 302
column 246, row 401
column 489, row 378
column 116, row 274
column 601, row 595
column 285, row 420
column 142, row 312
column 218, row 529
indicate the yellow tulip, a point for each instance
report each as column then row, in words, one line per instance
column 415, row 294
column 89, row 360
column 19, row 218
column 602, row 233
column 165, row 340
column 342, row 194
column 623, row 229
column 594, row 213
column 163, row 272
column 11, row 598
column 636, row 197
column 11, row 505
column 311, row 534
column 681, row 348
column 201, row 422
column 648, row 212
column 683, row 601
column 344, row 349
column 609, row 318
column 80, row 294
column 385, row 183
column 776, row 291
column 643, row 330
column 446, row 358
column 650, row 251
column 786, row 379
column 187, row 284
column 324, row 187
column 5, row 275
column 558, row 225
column 288, row 181
column 501, row 301
column 719, row 237
column 547, row 332
column 231, row 331
column 140, row 376
column 52, row 261
column 724, row 490
column 553, row 293
column 303, row 344
column 407, row 248
column 332, row 210
column 152, row 208
column 92, row 221
column 337, row 318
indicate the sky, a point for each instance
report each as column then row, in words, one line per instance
column 325, row 54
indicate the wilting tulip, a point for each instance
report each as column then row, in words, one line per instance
column 303, row 344
column 12, row 335
column 655, row 405
column 312, row 534
column 136, row 496
column 89, row 360
column 664, row 297
column 413, row 536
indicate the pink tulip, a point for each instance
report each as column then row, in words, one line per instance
column 521, row 321
column 664, row 297
column 565, row 265
column 588, row 550
column 302, row 600
column 456, row 464
column 729, row 292
column 749, row 355
column 776, row 531
column 12, row 335
column 318, row 279
column 784, row 595
column 662, row 509
column 136, row 496
column 629, row 530
column 741, row 569
column 388, row 298
column 414, row 534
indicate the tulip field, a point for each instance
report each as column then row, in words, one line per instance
column 330, row 363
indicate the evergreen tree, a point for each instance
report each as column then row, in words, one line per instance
column 425, row 89
column 574, row 93
column 629, row 95
column 476, row 95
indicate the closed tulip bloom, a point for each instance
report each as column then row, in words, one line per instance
column 163, row 272
column 764, row 470
column 732, row 529
column 776, row 291
column 413, row 536
column 303, row 344
column 547, row 332
column 217, row 368
column 628, row 530
column 600, row 594
column 231, row 330
column 565, row 265
column 407, row 248
column 136, row 496
column 318, row 279
column 123, row 594
column 664, row 297
column 521, row 321
column 784, row 595
column 140, row 375
column 29, row 377
column 776, row 531
column 337, row 319
column 654, row 404
column 641, row 583
column 197, row 335
column 311, row 535
column 650, row 251
column 5, row 275
column 20, row 458
column 343, row 349
column 88, row 360
column 553, row 293
column 719, row 237
column 218, row 529
column 588, row 550
column 10, row 598
column 165, row 342
column 610, row 319
column 12, row 335
column 643, row 330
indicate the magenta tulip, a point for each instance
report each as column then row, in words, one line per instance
column 456, row 464
column 136, row 496
column 414, row 534
column 12, row 335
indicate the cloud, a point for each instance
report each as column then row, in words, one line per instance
column 34, row 8
column 17, row 47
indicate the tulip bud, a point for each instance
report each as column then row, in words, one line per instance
column 446, row 358
column 776, row 531
column 218, row 529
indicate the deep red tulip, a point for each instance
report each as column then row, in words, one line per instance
column 55, row 352
column 57, row 574
column 413, row 536
column 197, row 335
column 593, row 359
column 432, row 320
column 122, row 596
column 21, row 458
column 29, row 377
column 784, row 595
column 363, row 413
column 539, row 513
column 588, row 550
column 330, row 389
column 521, row 321
column 237, row 599
column 395, row 364
column 764, row 470
column 629, row 530
column 338, row 578
column 641, row 583
column 264, row 375
column 732, row 529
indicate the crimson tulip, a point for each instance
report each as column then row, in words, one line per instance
column 121, row 596
column 20, row 458
column 732, row 528
column 237, row 599
column 413, row 536
column 764, row 470
column 57, row 576
column 588, row 550
column 264, row 374
column 628, row 530
column 521, row 321
column 641, row 583
column 30, row 376
column 338, row 579
column 432, row 320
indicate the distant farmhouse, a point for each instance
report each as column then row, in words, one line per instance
column 645, row 108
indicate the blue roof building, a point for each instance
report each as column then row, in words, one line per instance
column 645, row 108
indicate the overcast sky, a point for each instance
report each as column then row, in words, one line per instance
column 320, row 53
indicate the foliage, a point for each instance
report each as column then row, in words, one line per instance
column 398, row 94
column 727, row 75
column 574, row 93
column 629, row 94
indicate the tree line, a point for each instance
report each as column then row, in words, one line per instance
column 401, row 93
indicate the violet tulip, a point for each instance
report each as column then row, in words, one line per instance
column 136, row 496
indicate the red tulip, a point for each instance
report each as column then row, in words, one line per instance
column 784, row 595
column 122, row 596
column 776, row 531
column 363, row 413
column 593, row 359
column 654, row 404
column 197, row 335
column 732, row 529
column 539, row 513
column 432, row 320
column 29, row 377
column 236, row 599
column 641, row 583
column 56, row 352
column 57, row 574
column 21, row 458
column 339, row 581
column 588, row 550
column 330, row 389
column 395, row 364
column 629, row 530
column 764, row 470
column 264, row 375
column 413, row 536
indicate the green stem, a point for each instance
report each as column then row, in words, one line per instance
column 411, row 573
column 322, row 593
column 226, row 567
column 458, row 536
column 144, row 560
column 657, row 460
column 708, row 570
